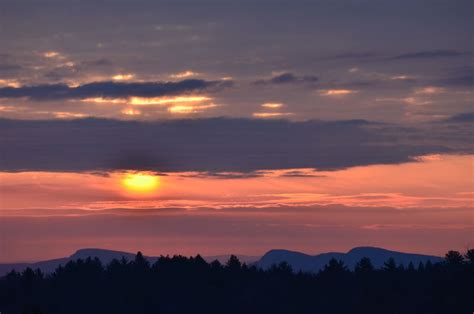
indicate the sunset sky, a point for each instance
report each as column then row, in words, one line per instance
column 216, row 127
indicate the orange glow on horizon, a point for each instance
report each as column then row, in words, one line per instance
column 432, row 181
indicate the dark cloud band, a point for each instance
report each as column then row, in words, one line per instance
column 429, row 54
column 111, row 89
column 288, row 78
column 237, row 145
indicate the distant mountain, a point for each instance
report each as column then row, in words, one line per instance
column 298, row 261
column 313, row 263
column 106, row 256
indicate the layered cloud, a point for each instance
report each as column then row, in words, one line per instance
column 219, row 144
column 304, row 58
column 111, row 89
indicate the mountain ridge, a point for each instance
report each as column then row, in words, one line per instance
column 298, row 261
column 313, row 263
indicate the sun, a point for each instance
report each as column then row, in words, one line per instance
column 141, row 182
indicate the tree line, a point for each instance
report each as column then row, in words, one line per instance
column 181, row 284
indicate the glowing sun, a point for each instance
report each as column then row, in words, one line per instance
column 141, row 182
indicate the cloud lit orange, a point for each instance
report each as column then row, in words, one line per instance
column 272, row 105
column 123, row 77
column 186, row 109
column 139, row 101
column 271, row 114
column 337, row 92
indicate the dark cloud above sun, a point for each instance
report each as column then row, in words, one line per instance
column 222, row 145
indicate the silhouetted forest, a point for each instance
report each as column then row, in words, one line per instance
column 191, row 285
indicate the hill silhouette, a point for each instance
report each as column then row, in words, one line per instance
column 314, row 263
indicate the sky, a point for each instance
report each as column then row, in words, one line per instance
column 216, row 127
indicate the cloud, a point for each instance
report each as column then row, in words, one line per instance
column 139, row 101
column 68, row 115
column 59, row 73
column 352, row 56
column 414, row 101
column 187, row 109
column 271, row 114
column 429, row 90
column 459, row 77
column 223, row 175
column 272, row 105
column 429, row 54
column 301, row 174
column 218, row 144
column 123, row 77
column 9, row 83
column 111, row 89
column 131, row 112
column 409, row 78
column 337, row 92
column 372, row 56
column 9, row 67
column 467, row 117
column 288, row 78
column 378, row 57
column 98, row 62
column 184, row 74
column 52, row 54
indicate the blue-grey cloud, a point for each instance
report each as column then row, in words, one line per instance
column 97, row 62
column 459, row 77
column 377, row 57
column 351, row 56
column 467, row 117
column 429, row 54
column 9, row 67
column 288, row 78
column 216, row 145
column 111, row 89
